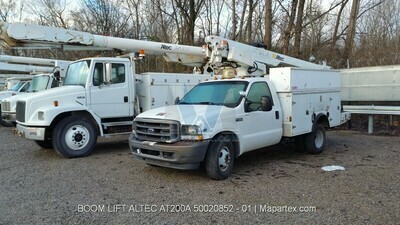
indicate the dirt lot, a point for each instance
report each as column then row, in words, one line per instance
column 274, row 185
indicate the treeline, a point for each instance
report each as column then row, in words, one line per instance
column 344, row 33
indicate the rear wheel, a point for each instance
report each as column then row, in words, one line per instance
column 219, row 159
column 74, row 137
column 315, row 141
column 299, row 142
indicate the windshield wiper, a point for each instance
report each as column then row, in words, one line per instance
column 205, row 103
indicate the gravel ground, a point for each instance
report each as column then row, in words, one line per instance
column 40, row 187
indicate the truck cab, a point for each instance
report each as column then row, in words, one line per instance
column 39, row 82
column 96, row 98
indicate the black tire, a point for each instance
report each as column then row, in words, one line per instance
column 315, row 141
column 220, row 158
column 45, row 144
column 299, row 142
column 4, row 123
column 74, row 136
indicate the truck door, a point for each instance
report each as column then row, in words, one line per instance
column 259, row 128
column 110, row 99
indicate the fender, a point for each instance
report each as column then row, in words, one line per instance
column 51, row 112
column 321, row 117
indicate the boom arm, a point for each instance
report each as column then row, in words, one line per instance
column 244, row 59
column 31, row 36
column 30, row 60
column 25, row 68
column 47, row 65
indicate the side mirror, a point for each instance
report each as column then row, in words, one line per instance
column 107, row 79
column 177, row 100
column 242, row 93
column 266, row 103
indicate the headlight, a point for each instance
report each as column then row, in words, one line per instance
column 191, row 132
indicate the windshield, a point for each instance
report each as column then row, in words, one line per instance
column 39, row 83
column 216, row 93
column 17, row 86
column 77, row 73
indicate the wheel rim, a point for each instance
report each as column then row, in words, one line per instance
column 224, row 159
column 77, row 137
column 319, row 139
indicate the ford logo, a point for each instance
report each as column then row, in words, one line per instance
column 150, row 130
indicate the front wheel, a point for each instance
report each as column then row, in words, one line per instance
column 316, row 140
column 219, row 159
column 4, row 123
column 45, row 143
column 74, row 137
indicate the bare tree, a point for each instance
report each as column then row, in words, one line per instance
column 103, row 17
column 289, row 27
column 335, row 36
column 189, row 10
column 268, row 24
column 352, row 29
column 7, row 8
column 241, row 24
column 234, row 21
column 298, row 28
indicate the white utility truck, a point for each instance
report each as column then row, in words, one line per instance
column 99, row 96
column 20, row 87
column 36, row 83
column 244, row 110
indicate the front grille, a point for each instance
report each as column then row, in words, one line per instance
column 5, row 106
column 157, row 130
column 20, row 111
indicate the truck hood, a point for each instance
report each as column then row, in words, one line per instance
column 14, row 98
column 69, row 98
column 208, row 117
column 6, row 94
column 53, row 93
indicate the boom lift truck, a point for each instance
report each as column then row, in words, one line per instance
column 50, row 79
column 247, row 109
column 99, row 96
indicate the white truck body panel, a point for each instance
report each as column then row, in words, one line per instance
column 161, row 89
column 304, row 94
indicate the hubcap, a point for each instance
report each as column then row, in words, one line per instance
column 224, row 158
column 77, row 137
column 319, row 139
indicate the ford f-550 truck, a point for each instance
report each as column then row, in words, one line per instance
column 220, row 120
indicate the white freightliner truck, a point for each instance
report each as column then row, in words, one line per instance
column 36, row 83
column 99, row 96
column 221, row 119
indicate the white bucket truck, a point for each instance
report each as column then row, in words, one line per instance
column 36, row 83
column 99, row 96
column 241, row 111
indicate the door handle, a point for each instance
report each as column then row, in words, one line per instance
column 125, row 98
column 277, row 115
